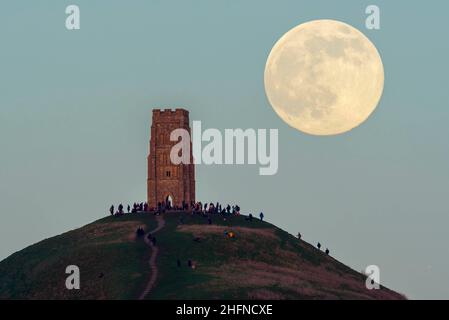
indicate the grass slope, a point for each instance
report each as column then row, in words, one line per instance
column 261, row 262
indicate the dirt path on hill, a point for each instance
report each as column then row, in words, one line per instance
column 152, row 261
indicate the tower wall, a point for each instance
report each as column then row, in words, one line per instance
column 164, row 178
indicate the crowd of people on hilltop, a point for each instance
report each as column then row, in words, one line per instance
column 205, row 209
column 210, row 207
column 193, row 208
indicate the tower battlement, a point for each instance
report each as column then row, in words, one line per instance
column 169, row 115
column 168, row 112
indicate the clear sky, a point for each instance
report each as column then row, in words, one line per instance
column 75, row 111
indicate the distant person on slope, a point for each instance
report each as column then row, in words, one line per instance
column 261, row 216
column 111, row 210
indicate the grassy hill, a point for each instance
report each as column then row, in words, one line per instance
column 260, row 262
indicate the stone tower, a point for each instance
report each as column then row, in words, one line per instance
column 168, row 182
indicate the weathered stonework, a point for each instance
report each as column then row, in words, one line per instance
column 164, row 178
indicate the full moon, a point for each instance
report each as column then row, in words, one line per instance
column 324, row 77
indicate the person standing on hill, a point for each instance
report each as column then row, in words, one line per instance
column 261, row 216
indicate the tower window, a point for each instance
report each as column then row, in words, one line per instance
column 168, row 173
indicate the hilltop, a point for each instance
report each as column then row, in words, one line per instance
column 260, row 262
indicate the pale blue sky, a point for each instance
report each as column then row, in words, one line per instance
column 75, row 111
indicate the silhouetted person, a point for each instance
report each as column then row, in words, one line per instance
column 111, row 210
column 327, row 251
column 128, row 208
column 140, row 232
column 299, row 235
column 319, row 245
column 261, row 216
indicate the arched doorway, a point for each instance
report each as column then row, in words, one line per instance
column 169, row 201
